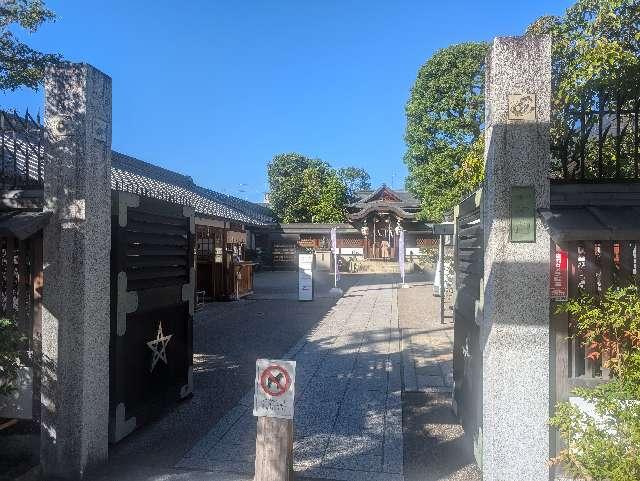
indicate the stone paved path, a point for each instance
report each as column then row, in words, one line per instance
column 427, row 344
column 348, row 420
column 434, row 445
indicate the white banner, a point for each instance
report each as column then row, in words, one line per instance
column 334, row 250
column 334, row 241
column 401, row 254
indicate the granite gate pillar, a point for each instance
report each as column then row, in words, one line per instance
column 76, row 255
column 515, row 323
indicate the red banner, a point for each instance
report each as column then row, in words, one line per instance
column 559, row 288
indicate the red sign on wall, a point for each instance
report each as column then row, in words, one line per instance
column 559, row 288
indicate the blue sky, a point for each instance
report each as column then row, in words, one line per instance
column 214, row 89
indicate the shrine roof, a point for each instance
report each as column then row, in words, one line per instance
column 383, row 196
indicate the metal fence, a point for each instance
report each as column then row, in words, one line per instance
column 598, row 141
column 21, row 151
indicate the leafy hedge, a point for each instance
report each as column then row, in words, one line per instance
column 12, row 344
column 606, row 447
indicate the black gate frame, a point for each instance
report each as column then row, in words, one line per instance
column 152, row 297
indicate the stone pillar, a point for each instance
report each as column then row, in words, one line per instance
column 76, row 254
column 515, row 324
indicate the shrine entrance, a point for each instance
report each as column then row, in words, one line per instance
column 380, row 216
column 381, row 239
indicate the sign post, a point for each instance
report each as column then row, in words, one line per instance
column 305, row 277
column 273, row 404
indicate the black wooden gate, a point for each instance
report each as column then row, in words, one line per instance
column 152, row 302
column 467, row 352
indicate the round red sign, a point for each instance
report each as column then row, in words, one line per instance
column 275, row 380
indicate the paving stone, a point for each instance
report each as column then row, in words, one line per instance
column 346, row 419
column 430, row 381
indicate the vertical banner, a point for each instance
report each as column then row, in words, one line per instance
column 559, row 288
column 401, row 254
column 334, row 250
column 305, row 277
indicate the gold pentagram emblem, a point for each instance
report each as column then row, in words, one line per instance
column 159, row 346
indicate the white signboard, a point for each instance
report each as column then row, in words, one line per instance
column 305, row 277
column 275, row 388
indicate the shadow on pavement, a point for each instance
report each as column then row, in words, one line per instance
column 434, row 446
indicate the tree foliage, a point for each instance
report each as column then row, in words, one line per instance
column 606, row 447
column 596, row 64
column 21, row 65
column 12, row 354
column 445, row 117
column 354, row 179
column 310, row 190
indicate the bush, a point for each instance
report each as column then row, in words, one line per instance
column 605, row 446
column 12, row 344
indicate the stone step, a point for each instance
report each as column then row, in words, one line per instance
column 384, row 267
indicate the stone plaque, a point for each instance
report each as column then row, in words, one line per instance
column 523, row 214
column 60, row 125
column 522, row 107
column 100, row 130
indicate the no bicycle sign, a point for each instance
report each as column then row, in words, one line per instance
column 275, row 388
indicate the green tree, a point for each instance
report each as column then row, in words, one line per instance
column 325, row 195
column 445, row 117
column 20, row 65
column 354, row 179
column 305, row 190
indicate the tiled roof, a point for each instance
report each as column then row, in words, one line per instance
column 407, row 199
column 133, row 175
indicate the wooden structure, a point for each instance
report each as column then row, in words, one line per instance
column 21, row 223
column 596, row 227
column 379, row 216
column 224, row 225
column 152, row 304
column 372, row 231
column 467, row 351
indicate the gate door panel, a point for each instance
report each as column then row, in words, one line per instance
column 467, row 350
column 152, row 301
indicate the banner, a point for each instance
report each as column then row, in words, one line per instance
column 334, row 250
column 559, row 288
column 334, row 241
column 401, row 254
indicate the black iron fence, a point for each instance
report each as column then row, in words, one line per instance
column 21, row 151
column 599, row 140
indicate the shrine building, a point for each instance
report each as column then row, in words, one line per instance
column 374, row 222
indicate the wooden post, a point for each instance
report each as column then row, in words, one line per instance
column 36, row 323
column 559, row 352
column 10, row 276
column 274, row 450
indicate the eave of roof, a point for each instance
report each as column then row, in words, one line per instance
column 137, row 176
column 395, row 209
